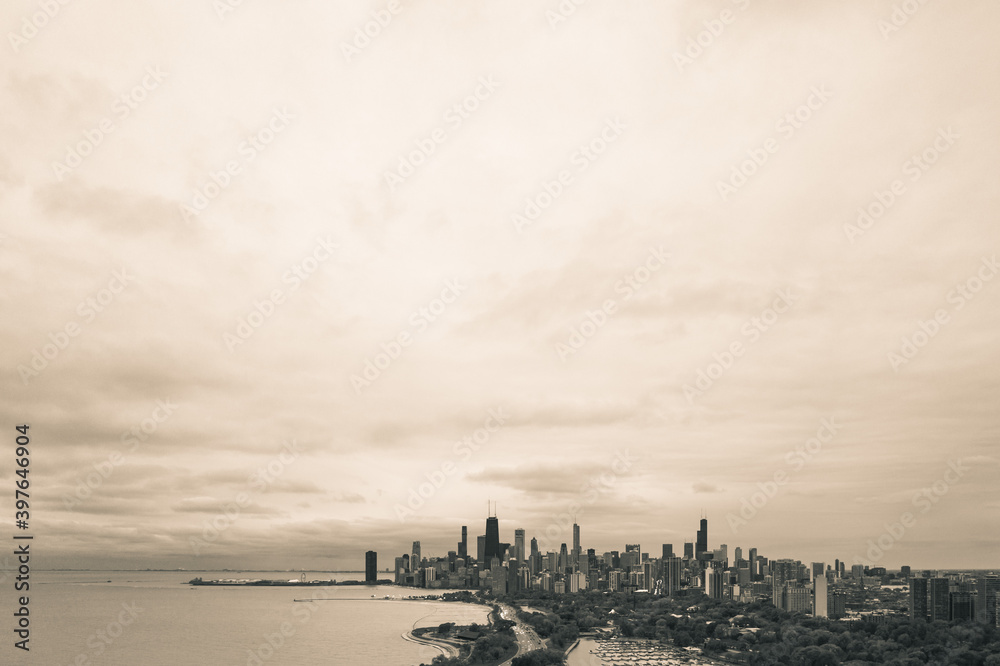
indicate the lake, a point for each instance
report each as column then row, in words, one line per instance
column 156, row 619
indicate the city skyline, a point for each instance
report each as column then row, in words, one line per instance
column 867, row 559
column 841, row 590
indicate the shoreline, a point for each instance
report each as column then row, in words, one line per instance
column 446, row 647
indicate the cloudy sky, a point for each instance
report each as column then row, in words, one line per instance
column 278, row 291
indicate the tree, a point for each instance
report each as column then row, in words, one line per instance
column 445, row 627
column 540, row 658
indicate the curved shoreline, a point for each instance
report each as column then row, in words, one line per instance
column 447, row 648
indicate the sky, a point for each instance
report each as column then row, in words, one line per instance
column 286, row 282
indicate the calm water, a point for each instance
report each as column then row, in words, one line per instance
column 79, row 618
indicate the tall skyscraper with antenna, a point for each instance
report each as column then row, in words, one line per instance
column 701, row 544
column 492, row 537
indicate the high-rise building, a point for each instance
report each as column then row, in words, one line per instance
column 837, row 605
column 820, row 608
column 513, row 579
column 463, row 545
column 672, row 575
column 738, row 554
column 939, row 603
column 371, row 567
column 492, row 538
column 701, row 544
column 415, row 558
column 961, row 606
column 519, row 546
column 632, row 557
column 575, row 555
column 783, row 572
column 918, row 599
column 754, row 567
column 987, row 591
column 688, row 550
column 713, row 583
column 481, row 550
column 649, row 578
column 817, row 569
column 668, row 550
column 797, row 599
column 497, row 578
column 535, row 561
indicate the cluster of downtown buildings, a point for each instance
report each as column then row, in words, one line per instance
column 818, row 589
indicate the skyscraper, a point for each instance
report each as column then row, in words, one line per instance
column 688, row 550
column 576, row 547
column 713, row 583
column 519, row 546
column 668, row 550
column 918, row 599
column 783, row 571
column 938, row 601
column 961, row 606
column 463, row 545
column 371, row 566
column 492, row 538
column 672, row 576
column 819, row 590
column 415, row 557
column 987, row 590
column 481, row 550
column 701, row 544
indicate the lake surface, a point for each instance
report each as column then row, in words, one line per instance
column 156, row 619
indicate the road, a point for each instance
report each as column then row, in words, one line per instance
column 527, row 639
